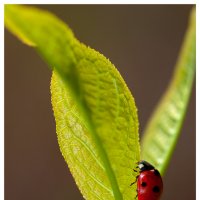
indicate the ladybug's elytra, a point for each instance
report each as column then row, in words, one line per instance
column 149, row 182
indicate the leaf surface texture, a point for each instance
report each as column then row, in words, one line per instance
column 95, row 113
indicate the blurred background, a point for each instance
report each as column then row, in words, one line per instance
column 143, row 42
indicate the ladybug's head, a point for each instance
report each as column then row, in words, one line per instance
column 144, row 165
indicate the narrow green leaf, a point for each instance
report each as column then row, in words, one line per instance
column 96, row 117
column 162, row 131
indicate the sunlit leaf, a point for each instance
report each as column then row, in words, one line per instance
column 96, row 117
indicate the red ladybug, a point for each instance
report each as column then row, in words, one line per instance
column 149, row 182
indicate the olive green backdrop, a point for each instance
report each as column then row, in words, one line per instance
column 143, row 42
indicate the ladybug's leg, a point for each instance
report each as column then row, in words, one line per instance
column 136, row 196
column 136, row 170
column 134, row 181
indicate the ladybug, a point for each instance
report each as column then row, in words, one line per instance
column 149, row 182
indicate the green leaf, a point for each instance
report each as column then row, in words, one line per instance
column 164, row 127
column 96, row 117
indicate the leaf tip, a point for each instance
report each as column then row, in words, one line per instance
column 9, row 15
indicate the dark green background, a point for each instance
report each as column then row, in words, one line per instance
column 143, row 42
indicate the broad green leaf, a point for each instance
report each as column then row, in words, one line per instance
column 96, row 117
column 162, row 131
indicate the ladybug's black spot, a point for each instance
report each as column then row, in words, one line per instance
column 156, row 172
column 156, row 189
column 143, row 184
